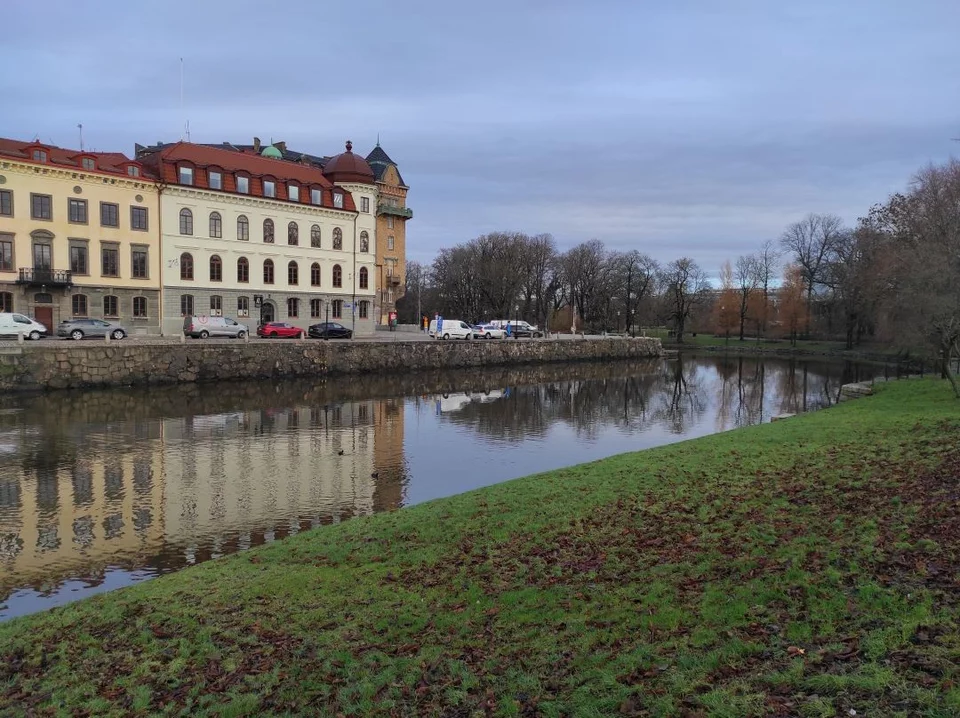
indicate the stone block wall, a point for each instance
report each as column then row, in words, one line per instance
column 65, row 366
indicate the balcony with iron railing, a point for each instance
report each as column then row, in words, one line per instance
column 389, row 209
column 44, row 277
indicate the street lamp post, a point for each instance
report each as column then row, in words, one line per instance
column 618, row 321
column 516, row 320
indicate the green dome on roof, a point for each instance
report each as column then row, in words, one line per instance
column 272, row 152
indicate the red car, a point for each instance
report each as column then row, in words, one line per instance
column 278, row 329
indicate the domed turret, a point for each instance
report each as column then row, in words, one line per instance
column 271, row 152
column 348, row 167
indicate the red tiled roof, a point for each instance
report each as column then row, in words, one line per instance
column 107, row 162
column 255, row 165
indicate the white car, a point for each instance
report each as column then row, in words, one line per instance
column 12, row 324
column 488, row 331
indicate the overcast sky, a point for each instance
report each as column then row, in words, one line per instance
column 688, row 127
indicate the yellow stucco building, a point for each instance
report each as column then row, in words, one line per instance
column 392, row 216
column 78, row 236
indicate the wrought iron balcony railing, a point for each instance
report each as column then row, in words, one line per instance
column 45, row 277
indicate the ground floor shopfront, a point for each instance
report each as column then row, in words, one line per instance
column 301, row 309
column 138, row 310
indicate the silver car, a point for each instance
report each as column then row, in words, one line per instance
column 79, row 328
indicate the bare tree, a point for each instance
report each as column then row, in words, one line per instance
column 540, row 277
column 634, row 277
column 583, row 269
column 685, row 285
column 811, row 241
column 747, row 278
column 768, row 266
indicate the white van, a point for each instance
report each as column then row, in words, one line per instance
column 12, row 324
column 450, row 329
column 201, row 327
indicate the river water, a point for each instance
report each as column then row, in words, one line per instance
column 101, row 489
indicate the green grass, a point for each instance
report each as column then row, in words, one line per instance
column 807, row 567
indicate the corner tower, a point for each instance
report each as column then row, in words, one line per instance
column 392, row 216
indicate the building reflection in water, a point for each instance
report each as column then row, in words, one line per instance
column 148, row 481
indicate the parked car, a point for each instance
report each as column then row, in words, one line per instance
column 521, row 329
column 12, row 324
column 78, row 329
column 273, row 330
column 488, row 331
column 450, row 329
column 329, row 330
column 203, row 327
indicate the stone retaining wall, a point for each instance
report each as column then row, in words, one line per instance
column 129, row 364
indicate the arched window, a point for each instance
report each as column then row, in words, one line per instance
column 243, row 228
column 315, row 274
column 337, row 239
column 293, row 234
column 111, row 306
column 186, row 266
column 216, row 269
column 364, row 278
column 315, row 236
column 364, row 242
column 243, row 270
column 364, row 309
column 268, row 231
column 186, row 221
column 216, row 225
column 268, row 271
column 337, row 276
column 78, row 305
column 293, row 307
column 293, row 273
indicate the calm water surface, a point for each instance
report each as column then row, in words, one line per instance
column 102, row 489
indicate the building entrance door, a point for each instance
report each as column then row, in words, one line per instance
column 267, row 312
column 44, row 315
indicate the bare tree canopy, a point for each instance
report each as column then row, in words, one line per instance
column 811, row 242
column 685, row 286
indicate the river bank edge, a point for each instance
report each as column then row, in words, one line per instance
column 742, row 571
column 115, row 364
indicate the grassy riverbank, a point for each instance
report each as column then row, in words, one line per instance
column 806, row 567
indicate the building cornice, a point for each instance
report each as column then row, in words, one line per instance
column 70, row 173
column 258, row 202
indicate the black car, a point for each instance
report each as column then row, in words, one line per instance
column 329, row 330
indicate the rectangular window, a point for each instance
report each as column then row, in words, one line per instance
column 110, row 261
column 6, row 254
column 389, row 222
column 216, row 180
column 293, row 192
column 41, row 206
column 140, row 307
column 40, row 155
column 138, row 218
column 293, row 307
column 243, row 185
column 337, row 308
column 79, row 261
column 6, row 203
column 186, row 304
column 315, row 308
column 186, row 175
column 269, row 188
column 216, row 305
column 363, row 309
column 109, row 214
column 390, row 242
column 110, row 307
column 133, row 171
column 88, row 163
column 338, row 200
column 42, row 257
column 243, row 306
column 79, row 305
column 77, row 211
column 316, row 196
column 139, row 264
column 364, row 204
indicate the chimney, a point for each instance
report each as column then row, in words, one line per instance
column 256, row 144
column 282, row 146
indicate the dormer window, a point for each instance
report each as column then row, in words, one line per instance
column 88, row 163
column 293, row 193
column 186, row 175
column 133, row 170
column 269, row 188
column 243, row 184
column 215, row 178
column 40, row 155
column 338, row 200
column 316, row 196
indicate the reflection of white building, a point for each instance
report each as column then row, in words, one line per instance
column 266, row 468
column 450, row 403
